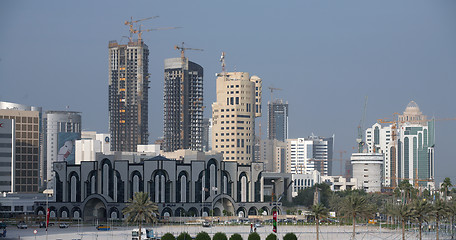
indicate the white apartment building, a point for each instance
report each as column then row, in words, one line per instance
column 306, row 180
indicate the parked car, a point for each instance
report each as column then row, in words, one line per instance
column 206, row 224
column 42, row 224
column 258, row 225
column 22, row 225
column 103, row 228
column 64, row 225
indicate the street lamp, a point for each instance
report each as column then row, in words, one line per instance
column 47, row 192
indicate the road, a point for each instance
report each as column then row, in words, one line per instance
column 124, row 233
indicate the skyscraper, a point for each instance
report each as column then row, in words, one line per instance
column 278, row 120
column 233, row 115
column 28, row 140
column 183, row 105
column 307, row 154
column 128, row 95
column 61, row 130
column 407, row 145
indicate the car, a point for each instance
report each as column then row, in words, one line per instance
column 64, row 225
column 22, row 225
column 206, row 224
column 103, row 228
column 42, row 224
column 258, row 225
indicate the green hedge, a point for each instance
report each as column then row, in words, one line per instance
column 184, row 236
column 219, row 236
column 290, row 236
column 271, row 236
column 236, row 236
column 254, row 236
column 203, row 236
column 168, row 236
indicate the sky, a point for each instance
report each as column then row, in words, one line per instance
column 326, row 56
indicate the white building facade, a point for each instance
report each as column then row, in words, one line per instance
column 305, row 155
column 368, row 170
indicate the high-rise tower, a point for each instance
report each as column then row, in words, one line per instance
column 278, row 120
column 233, row 115
column 128, row 95
column 183, row 105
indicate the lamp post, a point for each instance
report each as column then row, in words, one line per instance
column 47, row 192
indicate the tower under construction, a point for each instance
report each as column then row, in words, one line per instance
column 128, row 95
column 183, row 105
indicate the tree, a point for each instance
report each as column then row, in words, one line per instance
column 203, row 236
column 271, row 236
column 452, row 213
column 236, row 236
column 140, row 209
column 445, row 186
column 319, row 211
column 290, row 236
column 404, row 212
column 406, row 188
column 219, row 236
column 439, row 209
column 254, row 236
column 420, row 212
column 356, row 205
column 184, row 236
column 168, row 236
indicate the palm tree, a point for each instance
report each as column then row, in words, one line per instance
column 420, row 212
column 445, row 186
column 407, row 188
column 404, row 212
column 452, row 213
column 439, row 210
column 140, row 209
column 319, row 211
column 356, row 205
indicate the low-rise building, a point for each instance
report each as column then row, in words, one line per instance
column 368, row 169
column 339, row 183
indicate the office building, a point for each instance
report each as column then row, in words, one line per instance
column 416, row 141
column 273, row 154
column 207, row 134
column 183, row 105
column 380, row 139
column 28, row 141
column 7, row 154
column 307, row 154
column 233, row 116
column 90, row 144
column 368, row 170
column 278, row 120
column 407, row 146
column 305, row 180
column 100, row 189
column 61, row 130
column 128, row 95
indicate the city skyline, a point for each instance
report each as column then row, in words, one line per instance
column 326, row 57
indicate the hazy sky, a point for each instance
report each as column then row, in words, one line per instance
column 325, row 55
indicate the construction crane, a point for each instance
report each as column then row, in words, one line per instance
column 272, row 89
column 140, row 32
column 360, row 140
column 183, row 49
column 131, row 22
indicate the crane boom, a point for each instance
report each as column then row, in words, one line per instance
column 360, row 140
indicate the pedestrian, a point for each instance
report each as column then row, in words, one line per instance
column 251, row 227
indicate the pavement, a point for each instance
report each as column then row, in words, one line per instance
column 327, row 232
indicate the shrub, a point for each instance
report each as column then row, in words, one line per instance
column 203, row 236
column 271, row 236
column 168, row 236
column 184, row 236
column 254, row 236
column 219, row 236
column 290, row 236
column 236, row 236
